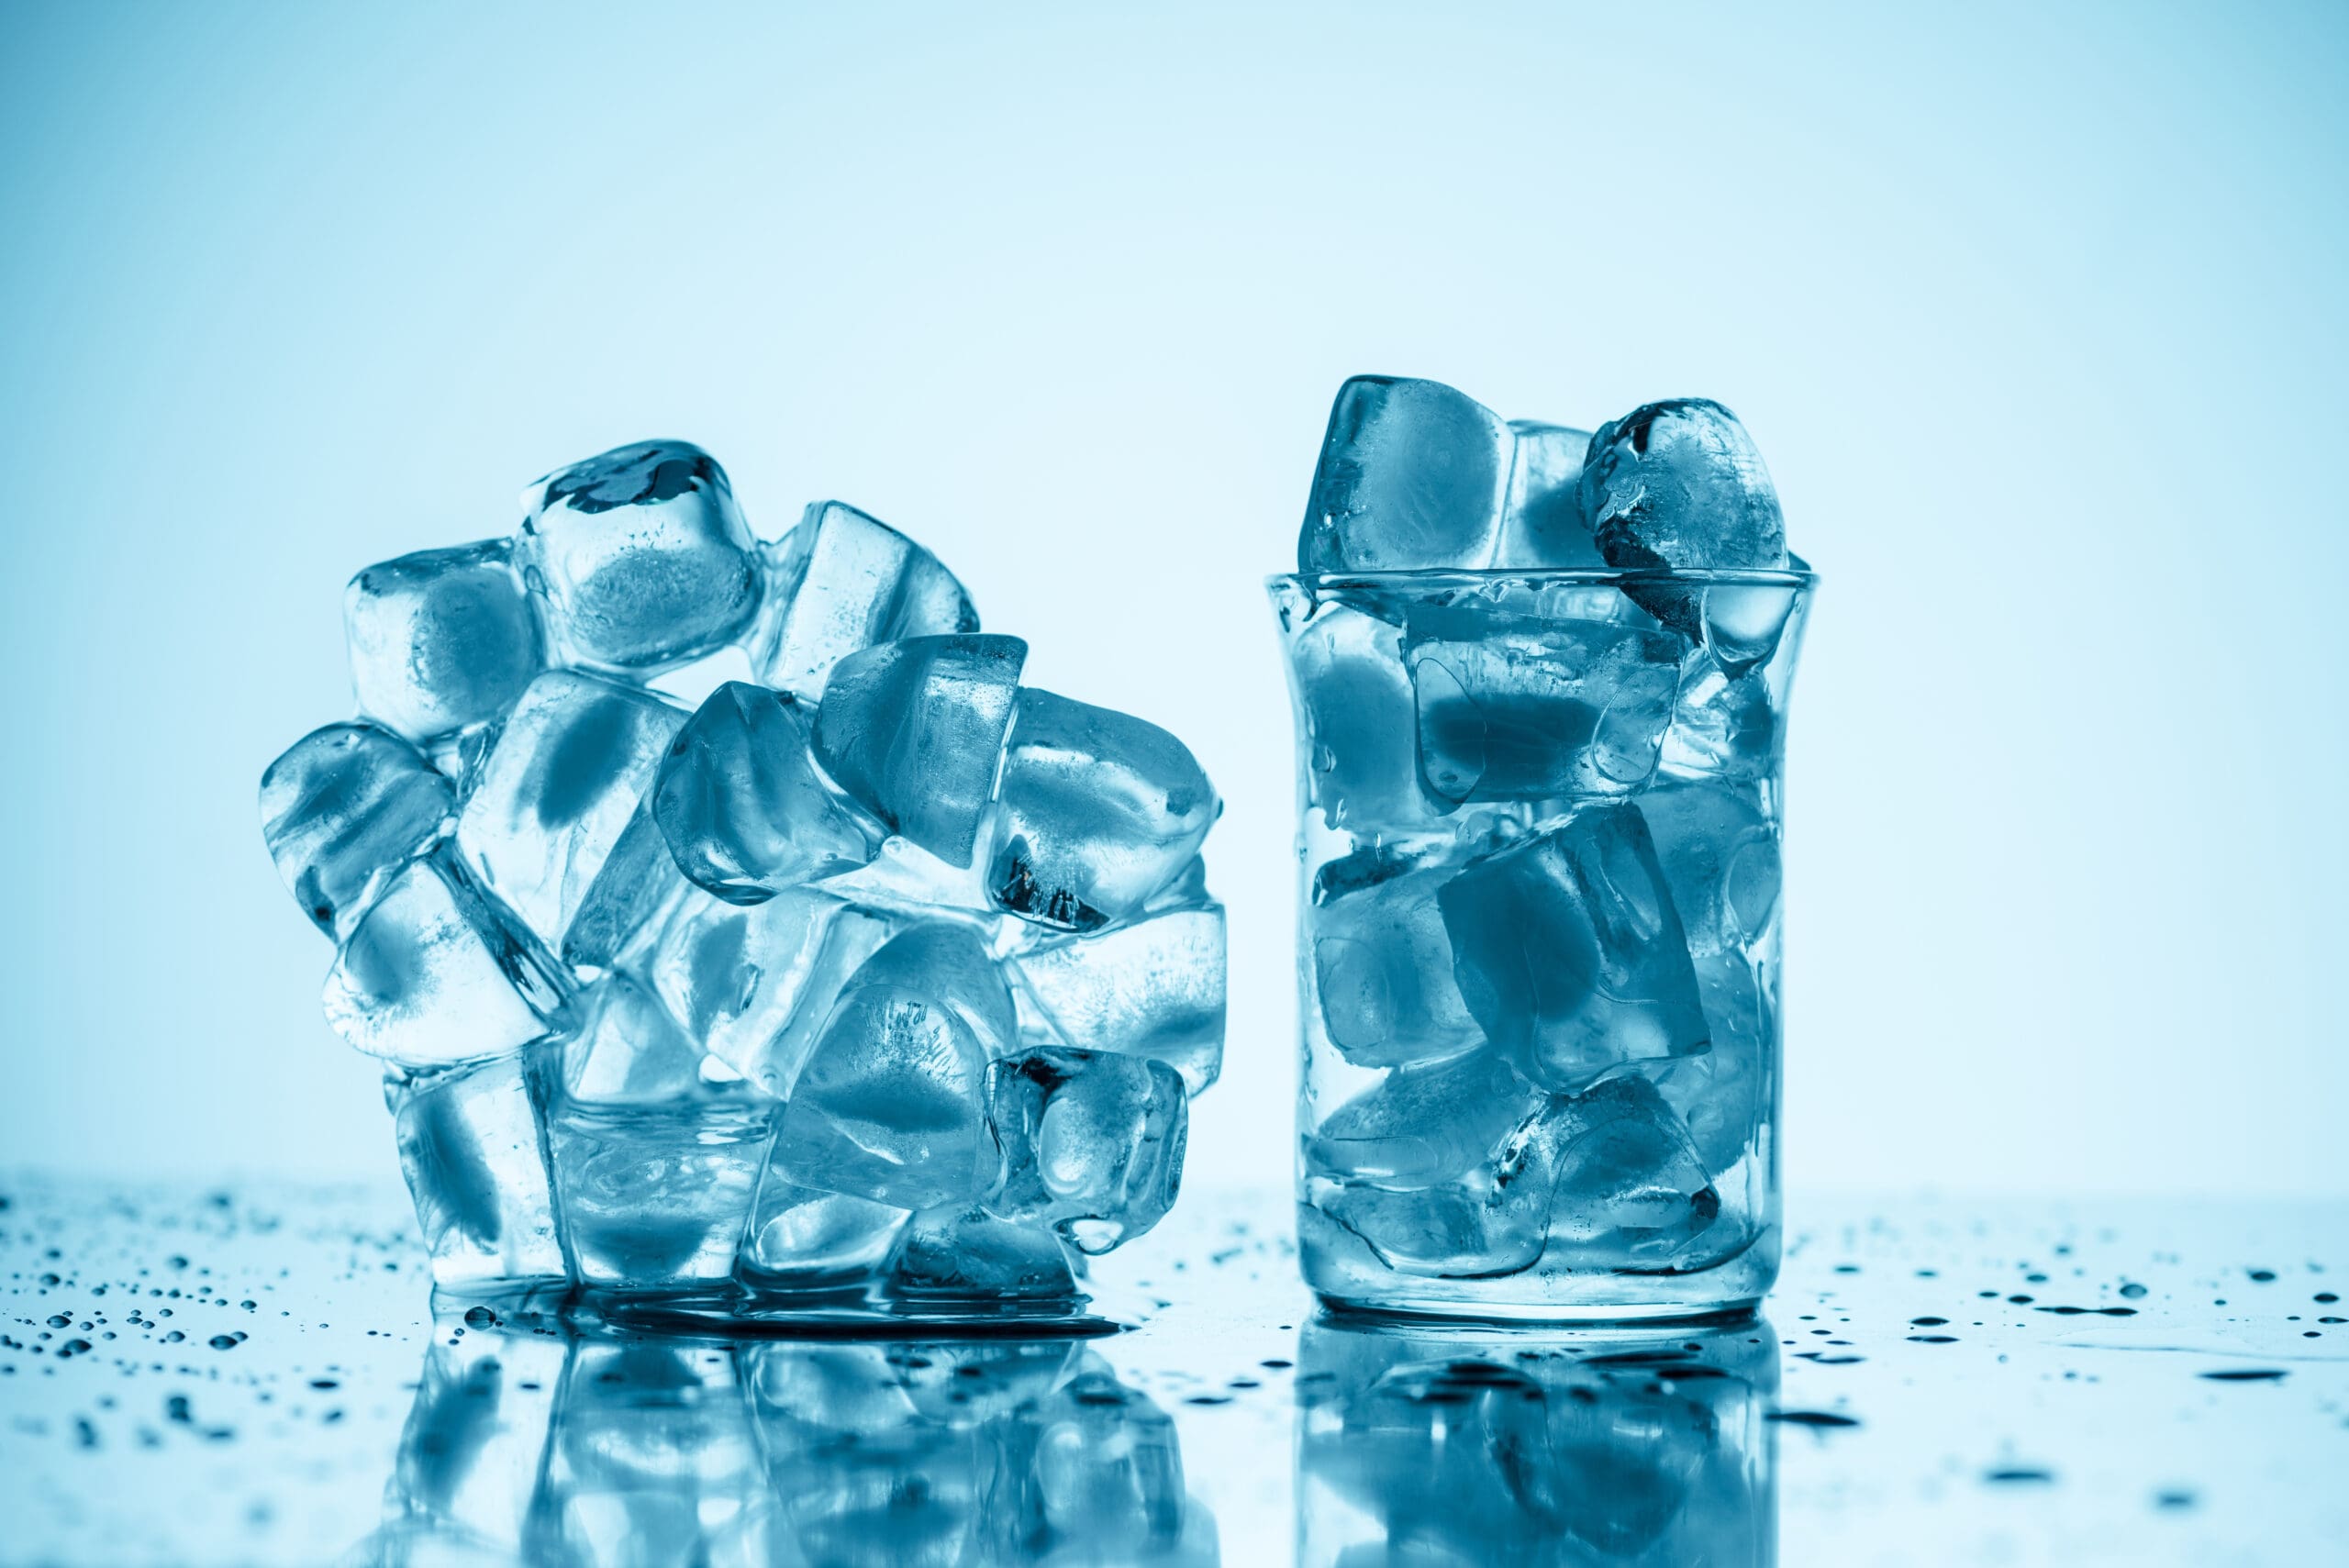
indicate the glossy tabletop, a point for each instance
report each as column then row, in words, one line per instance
column 254, row 1374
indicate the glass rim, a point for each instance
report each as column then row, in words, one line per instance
column 1551, row 576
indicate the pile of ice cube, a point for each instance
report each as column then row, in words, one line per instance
column 1542, row 836
column 885, row 975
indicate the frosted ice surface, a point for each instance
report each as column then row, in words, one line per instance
column 640, row 556
column 1099, row 810
column 842, row 581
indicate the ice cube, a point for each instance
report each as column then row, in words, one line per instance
column 643, row 558
column 1718, row 848
column 1728, row 1095
column 575, row 758
column 634, row 890
column 442, row 639
column 1542, row 525
column 914, row 732
column 841, row 582
column 957, row 1253
column 1153, row 989
column 1099, row 811
column 342, row 811
column 1383, row 964
column 1488, row 1223
column 754, row 985
column 1356, row 716
column 655, row 1196
column 1413, row 475
column 1518, row 707
column 1631, row 1187
column 433, row 976
column 800, row 1239
column 742, row 806
column 1570, row 954
column 891, row 1104
column 1679, row 484
column 469, row 1147
column 627, row 1049
column 1091, row 1143
column 1419, row 1126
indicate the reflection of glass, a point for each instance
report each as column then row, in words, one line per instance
column 1500, row 1448
column 525, row 1448
column 1538, row 947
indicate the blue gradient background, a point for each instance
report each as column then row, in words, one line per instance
column 2038, row 316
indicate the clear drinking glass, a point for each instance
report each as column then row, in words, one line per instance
column 1538, row 834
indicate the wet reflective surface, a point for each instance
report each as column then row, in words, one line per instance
column 253, row 1376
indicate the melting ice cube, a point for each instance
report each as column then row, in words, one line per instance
column 342, row 811
column 891, row 1104
column 642, row 556
column 1091, row 1143
column 1099, row 811
column 1383, row 966
column 442, row 639
column 1487, row 1224
column 469, row 1148
column 576, row 756
column 432, row 975
column 1153, row 989
column 1680, row 485
column 1413, row 475
column 802, row 1239
column 741, row 805
column 1543, row 526
column 1419, row 1126
column 1570, row 954
column 841, row 582
column 954, row 1253
column 913, row 730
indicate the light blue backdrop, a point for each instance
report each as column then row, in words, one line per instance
column 2036, row 311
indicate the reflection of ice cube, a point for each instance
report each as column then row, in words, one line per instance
column 740, row 805
column 914, row 732
column 890, row 1106
column 1104, row 1476
column 1354, row 704
column 1543, row 526
column 341, row 811
column 469, row 1148
column 1570, row 954
column 1679, row 484
column 1153, row 989
column 1383, row 970
column 842, row 581
column 800, row 1239
column 1091, row 1143
column 754, row 985
column 432, row 975
column 1511, row 708
column 469, row 1453
column 1419, row 1126
column 574, row 757
column 1099, row 811
column 652, row 1458
column 441, row 639
column 953, row 1254
column 1630, row 1185
column 642, row 556
column 1487, row 1224
column 1413, row 475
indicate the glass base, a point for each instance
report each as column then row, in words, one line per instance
column 1407, row 1311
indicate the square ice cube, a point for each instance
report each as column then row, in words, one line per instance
column 1413, row 475
column 342, row 811
column 842, row 581
column 469, row 1147
column 1090, row 1142
column 442, row 639
column 1153, row 989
